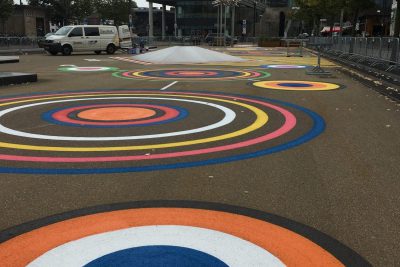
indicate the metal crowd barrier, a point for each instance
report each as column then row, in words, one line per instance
column 20, row 43
column 8, row 43
column 185, row 40
column 378, row 49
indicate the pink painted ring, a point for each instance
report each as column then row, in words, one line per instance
column 289, row 124
column 254, row 74
column 62, row 115
column 191, row 73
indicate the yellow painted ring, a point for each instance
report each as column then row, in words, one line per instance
column 312, row 86
column 261, row 120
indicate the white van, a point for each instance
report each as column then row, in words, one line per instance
column 78, row 38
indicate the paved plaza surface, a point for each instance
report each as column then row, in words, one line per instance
column 316, row 156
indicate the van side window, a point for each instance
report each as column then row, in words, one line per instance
column 76, row 32
column 92, row 31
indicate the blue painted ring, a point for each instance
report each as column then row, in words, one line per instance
column 317, row 128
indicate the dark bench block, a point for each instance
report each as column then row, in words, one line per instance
column 11, row 59
column 7, row 78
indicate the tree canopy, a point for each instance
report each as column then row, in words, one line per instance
column 311, row 11
column 65, row 11
column 6, row 9
column 117, row 10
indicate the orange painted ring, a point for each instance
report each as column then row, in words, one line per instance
column 116, row 113
column 291, row 248
column 308, row 85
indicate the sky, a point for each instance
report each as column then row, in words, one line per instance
column 143, row 3
column 140, row 3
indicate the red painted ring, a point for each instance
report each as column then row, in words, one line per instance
column 62, row 115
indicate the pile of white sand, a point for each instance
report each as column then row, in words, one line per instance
column 186, row 54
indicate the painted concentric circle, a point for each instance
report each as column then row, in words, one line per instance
column 86, row 69
column 192, row 74
column 297, row 85
column 203, row 128
column 72, row 116
column 116, row 113
column 164, row 233
column 284, row 66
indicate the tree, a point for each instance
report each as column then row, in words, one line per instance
column 59, row 11
column 312, row 11
column 82, row 9
column 63, row 11
column 117, row 10
column 6, row 9
column 355, row 7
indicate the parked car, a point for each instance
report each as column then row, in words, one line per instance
column 212, row 39
column 41, row 40
column 77, row 38
column 303, row 35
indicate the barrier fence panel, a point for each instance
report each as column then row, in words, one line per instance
column 19, row 42
column 192, row 40
column 380, row 49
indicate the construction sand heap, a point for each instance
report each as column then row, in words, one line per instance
column 186, row 54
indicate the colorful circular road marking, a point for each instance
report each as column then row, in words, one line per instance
column 69, row 116
column 193, row 74
column 297, row 85
column 284, row 66
column 86, row 69
column 116, row 113
column 167, row 233
column 177, row 130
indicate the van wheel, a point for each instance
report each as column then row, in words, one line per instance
column 97, row 52
column 110, row 49
column 66, row 50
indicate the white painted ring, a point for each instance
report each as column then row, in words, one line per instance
column 87, row 69
column 230, row 115
column 287, row 66
column 230, row 249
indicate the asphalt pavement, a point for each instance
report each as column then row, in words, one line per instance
column 342, row 181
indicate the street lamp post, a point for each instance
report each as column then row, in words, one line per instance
column 254, row 18
column 221, row 5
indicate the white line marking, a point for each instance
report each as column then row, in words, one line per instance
column 168, row 86
column 230, row 116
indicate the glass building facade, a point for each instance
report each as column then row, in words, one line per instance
column 198, row 17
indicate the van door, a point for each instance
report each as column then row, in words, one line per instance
column 124, row 33
column 92, row 37
column 76, row 39
column 108, row 35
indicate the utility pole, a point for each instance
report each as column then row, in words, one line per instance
column 220, row 20
column 341, row 21
column 217, row 20
column 222, row 7
column 233, row 25
column 397, row 21
column 225, row 26
column 254, row 18
column 396, row 34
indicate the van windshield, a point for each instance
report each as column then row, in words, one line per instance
column 63, row 31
